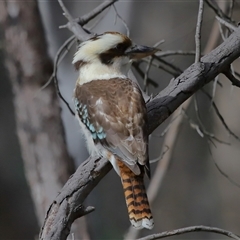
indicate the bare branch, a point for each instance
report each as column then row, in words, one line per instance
column 177, row 70
column 141, row 73
column 191, row 229
column 58, row 58
column 91, row 15
column 193, row 78
column 220, row 116
column 123, row 21
column 231, row 6
column 230, row 75
column 202, row 132
column 97, row 21
column 226, row 23
column 162, row 66
column 73, row 26
column 198, row 31
column 217, row 10
column 68, row 204
column 145, row 79
column 225, row 175
column 177, row 52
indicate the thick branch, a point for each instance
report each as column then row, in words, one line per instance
column 159, row 108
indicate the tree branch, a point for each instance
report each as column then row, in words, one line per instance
column 91, row 15
column 198, row 32
column 73, row 26
column 159, row 108
column 68, row 205
column 192, row 79
column 228, row 73
column 191, row 229
column 217, row 10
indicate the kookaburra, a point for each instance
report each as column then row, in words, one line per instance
column 112, row 114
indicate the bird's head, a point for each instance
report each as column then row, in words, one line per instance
column 109, row 54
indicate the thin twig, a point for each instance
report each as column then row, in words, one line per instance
column 197, row 112
column 122, row 20
column 202, row 132
column 220, row 116
column 226, row 23
column 214, row 88
column 145, row 80
column 198, row 31
column 231, row 7
column 172, row 52
column 173, row 119
column 225, row 175
column 217, row 9
column 172, row 66
column 160, row 157
column 57, row 60
column 230, row 75
column 65, row 11
column 91, row 15
column 141, row 73
column 174, row 70
column 229, row 13
column 191, row 229
column 98, row 21
column 59, row 57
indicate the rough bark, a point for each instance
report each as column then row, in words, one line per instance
column 68, row 205
column 39, row 126
column 38, row 115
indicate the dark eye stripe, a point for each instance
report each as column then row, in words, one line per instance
column 108, row 56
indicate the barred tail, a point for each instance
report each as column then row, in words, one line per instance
column 136, row 198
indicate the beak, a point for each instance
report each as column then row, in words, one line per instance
column 138, row 51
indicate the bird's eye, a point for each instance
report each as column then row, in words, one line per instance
column 120, row 47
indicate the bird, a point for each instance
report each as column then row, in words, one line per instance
column 112, row 114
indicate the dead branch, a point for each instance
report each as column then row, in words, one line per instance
column 192, row 79
column 159, row 108
column 198, row 32
column 91, row 15
column 217, row 10
column 191, row 229
column 230, row 75
column 221, row 118
column 68, row 205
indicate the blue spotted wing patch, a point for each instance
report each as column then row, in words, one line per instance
column 96, row 130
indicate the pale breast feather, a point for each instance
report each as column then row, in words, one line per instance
column 114, row 112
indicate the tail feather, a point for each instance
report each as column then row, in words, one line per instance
column 136, row 198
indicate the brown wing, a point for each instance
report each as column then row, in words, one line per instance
column 114, row 112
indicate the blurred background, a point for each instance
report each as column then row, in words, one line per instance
column 193, row 192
